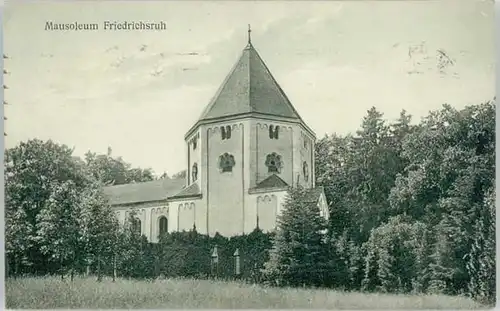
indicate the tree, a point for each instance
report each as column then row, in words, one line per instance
column 56, row 214
column 481, row 260
column 298, row 255
column 136, row 258
column 372, row 173
column 37, row 174
column 99, row 226
column 449, row 157
column 357, row 173
column 115, row 171
column 392, row 264
column 349, row 265
column 332, row 159
column 59, row 227
column 18, row 240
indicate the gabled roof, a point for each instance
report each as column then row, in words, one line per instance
column 273, row 181
column 190, row 191
column 249, row 88
column 155, row 190
column 314, row 194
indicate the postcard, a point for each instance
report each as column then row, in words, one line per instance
column 240, row 154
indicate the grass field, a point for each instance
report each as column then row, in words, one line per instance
column 86, row 293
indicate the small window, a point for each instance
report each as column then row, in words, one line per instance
column 305, row 143
column 226, row 162
column 195, row 172
column 274, row 131
column 273, row 163
column 136, row 226
column 223, row 132
column 228, row 132
column 195, row 141
column 305, row 170
column 163, row 224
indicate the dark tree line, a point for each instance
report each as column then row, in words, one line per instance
column 412, row 210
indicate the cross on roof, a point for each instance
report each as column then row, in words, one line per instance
column 249, row 36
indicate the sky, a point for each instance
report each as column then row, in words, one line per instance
column 140, row 91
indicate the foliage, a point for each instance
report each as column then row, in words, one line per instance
column 58, row 227
column 100, row 229
column 393, row 258
column 450, row 168
column 115, row 171
column 481, row 263
column 39, row 176
column 436, row 175
column 298, row 255
column 18, row 240
column 135, row 254
column 58, row 220
column 188, row 254
column 411, row 210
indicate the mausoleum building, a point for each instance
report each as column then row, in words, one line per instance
column 248, row 146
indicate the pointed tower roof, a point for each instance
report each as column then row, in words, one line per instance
column 249, row 88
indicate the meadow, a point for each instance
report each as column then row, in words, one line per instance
column 86, row 293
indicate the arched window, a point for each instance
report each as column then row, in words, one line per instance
column 273, row 163
column 223, row 132
column 136, row 226
column 305, row 170
column 274, row 131
column 163, row 225
column 226, row 162
column 195, row 172
column 228, row 132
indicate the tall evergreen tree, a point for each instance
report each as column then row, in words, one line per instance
column 372, row 173
column 298, row 255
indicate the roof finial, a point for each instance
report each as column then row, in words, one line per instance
column 249, row 36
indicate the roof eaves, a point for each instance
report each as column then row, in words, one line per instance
column 266, row 190
column 187, row 196
column 135, row 203
column 260, row 115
